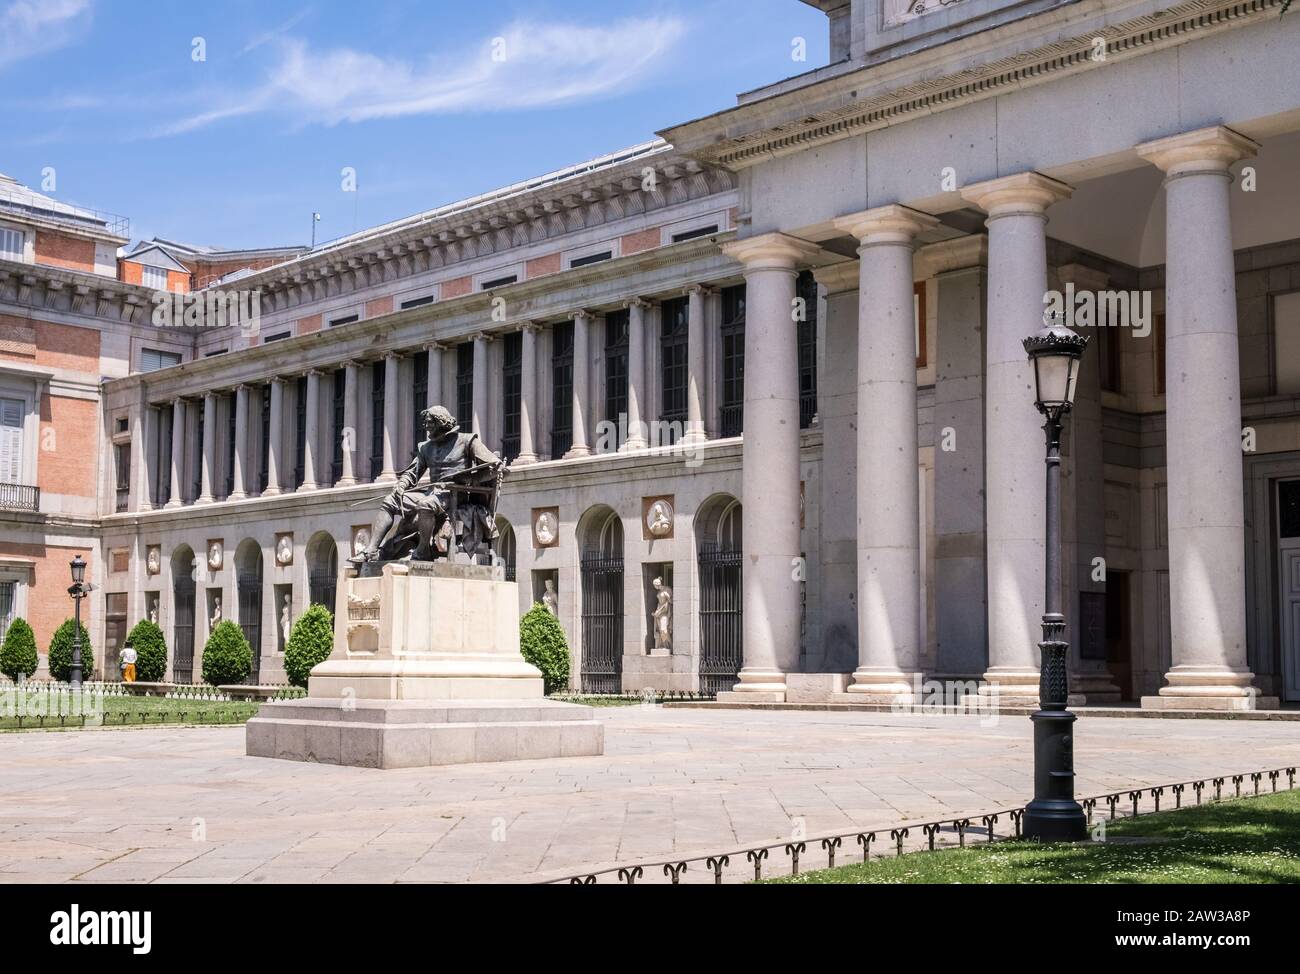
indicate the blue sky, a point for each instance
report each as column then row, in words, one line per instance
column 428, row 101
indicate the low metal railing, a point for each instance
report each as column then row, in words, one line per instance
column 20, row 497
column 923, row 837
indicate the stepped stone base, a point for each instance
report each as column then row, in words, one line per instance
column 415, row 734
column 425, row 671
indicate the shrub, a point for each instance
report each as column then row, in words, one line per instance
column 60, row 661
column 151, row 651
column 310, row 642
column 227, row 657
column 18, row 654
column 542, row 642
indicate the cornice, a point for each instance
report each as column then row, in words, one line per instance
column 40, row 287
column 1047, row 62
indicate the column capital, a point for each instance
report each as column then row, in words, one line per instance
column 892, row 223
column 701, row 289
column 838, row 278
column 642, row 303
column 1024, row 192
column 951, row 255
column 530, row 325
column 438, row 346
column 583, row 313
column 1211, row 149
column 775, row 251
column 350, row 363
column 396, row 354
column 483, row 336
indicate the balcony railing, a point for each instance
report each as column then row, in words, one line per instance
column 20, row 497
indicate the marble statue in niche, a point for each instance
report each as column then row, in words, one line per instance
column 549, row 598
column 285, row 620
column 663, row 615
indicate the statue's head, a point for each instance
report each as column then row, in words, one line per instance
column 439, row 422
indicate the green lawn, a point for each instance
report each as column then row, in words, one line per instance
column 1246, row 840
column 134, row 711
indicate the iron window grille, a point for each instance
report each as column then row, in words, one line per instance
column 806, row 288
column 465, row 384
column 338, row 389
column 300, row 432
column 419, row 396
column 511, row 392
column 377, row 380
column 616, row 324
column 673, row 341
column 731, row 406
column 562, row 389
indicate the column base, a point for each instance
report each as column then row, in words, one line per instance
column 238, row 495
column 271, row 492
column 386, row 478
column 884, row 684
column 633, row 444
column 1093, row 687
column 524, row 459
column 345, row 482
column 206, row 500
column 1198, row 687
column 174, row 504
column 1010, row 686
column 756, row 686
column 577, row 451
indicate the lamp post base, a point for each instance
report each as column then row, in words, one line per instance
column 1054, row 815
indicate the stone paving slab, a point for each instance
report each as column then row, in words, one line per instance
column 187, row 805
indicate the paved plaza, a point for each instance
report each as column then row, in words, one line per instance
column 186, row 804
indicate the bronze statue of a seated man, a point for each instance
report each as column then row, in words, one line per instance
column 454, row 512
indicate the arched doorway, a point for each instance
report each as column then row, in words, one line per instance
column 248, row 581
column 322, row 570
column 506, row 547
column 600, row 535
column 720, row 546
column 183, row 570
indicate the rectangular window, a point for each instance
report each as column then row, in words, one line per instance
column 591, row 259
column 277, row 337
column 163, row 476
column 673, row 338
column 512, row 357
column 693, row 234
column 153, row 277
column 338, row 387
column 1108, row 359
column 416, row 302
column 265, row 476
column 152, row 359
column 8, row 606
column 1286, row 343
column 345, row 320
column 419, row 397
column 561, row 389
column 377, row 380
column 616, row 365
column 465, row 384
column 12, row 417
column 806, row 289
column 11, row 243
column 918, row 311
column 122, row 467
column 498, row 282
column 196, row 485
column 731, row 406
column 230, row 444
column 219, row 351
column 300, row 432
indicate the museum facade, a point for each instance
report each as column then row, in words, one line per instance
column 769, row 364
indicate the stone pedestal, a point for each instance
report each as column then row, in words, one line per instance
column 426, row 670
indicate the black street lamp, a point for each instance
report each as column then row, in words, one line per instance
column 78, row 592
column 1054, row 815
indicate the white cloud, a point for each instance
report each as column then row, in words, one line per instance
column 527, row 66
column 31, row 27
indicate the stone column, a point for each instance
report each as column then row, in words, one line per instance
column 237, row 489
column 348, row 475
column 389, row 473
column 696, row 367
column 770, row 463
column 178, row 452
column 528, row 395
column 581, row 382
column 636, row 434
column 311, row 437
column 206, row 461
column 479, row 400
column 273, row 447
column 1207, row 587
column 959, row 267
column 434, row 395
column 888, row 481
column 1014, row 475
